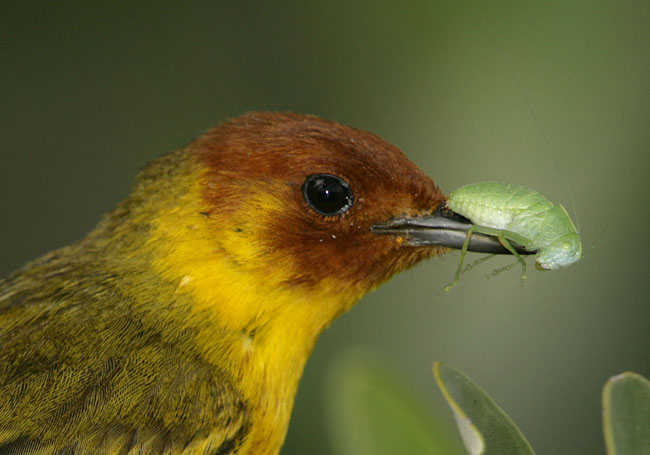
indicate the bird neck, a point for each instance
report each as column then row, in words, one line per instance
column 247, row 320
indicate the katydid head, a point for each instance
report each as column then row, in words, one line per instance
column 561, row 252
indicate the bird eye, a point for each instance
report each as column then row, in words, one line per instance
column 327, row 194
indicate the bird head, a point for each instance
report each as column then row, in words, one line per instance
column 294, row 198
column 271, row 208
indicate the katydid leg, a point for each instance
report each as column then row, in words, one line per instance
column 463, row 252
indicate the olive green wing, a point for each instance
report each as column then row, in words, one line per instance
column 79, row 376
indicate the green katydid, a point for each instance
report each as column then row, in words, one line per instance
column 515, row 213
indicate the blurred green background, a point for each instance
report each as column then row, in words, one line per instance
column 91, row 91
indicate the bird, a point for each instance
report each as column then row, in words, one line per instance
column 182, row 322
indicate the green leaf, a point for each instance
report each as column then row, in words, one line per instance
column 484, row 427
column 626, row 415
column 372, row 412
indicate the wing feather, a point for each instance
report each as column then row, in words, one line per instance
column 82, row 372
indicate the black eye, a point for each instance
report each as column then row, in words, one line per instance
column 327, row 194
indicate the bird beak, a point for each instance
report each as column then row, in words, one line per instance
column 442, row 228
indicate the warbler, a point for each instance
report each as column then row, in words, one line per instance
column 181, row 324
